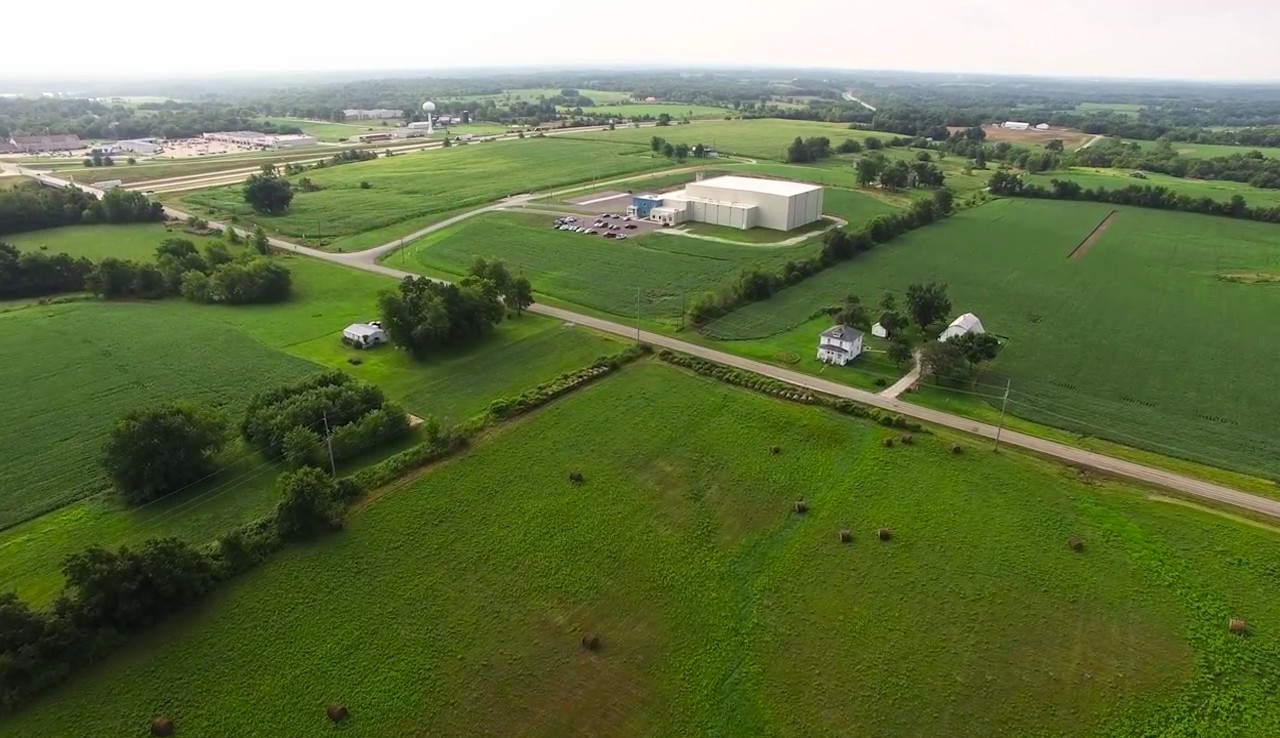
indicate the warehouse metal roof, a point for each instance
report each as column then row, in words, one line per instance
column 756, row 184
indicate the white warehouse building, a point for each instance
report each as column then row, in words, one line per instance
column 735, row 202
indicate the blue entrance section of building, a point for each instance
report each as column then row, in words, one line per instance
column 645, row 203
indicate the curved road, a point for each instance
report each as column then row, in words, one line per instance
column 367, row 261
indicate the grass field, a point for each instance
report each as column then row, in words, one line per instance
column 656, row 273
column 762, row 138
column 170, row 168
column 1129, row 109
column 1118, row 178
column 677, row 111
column 137, row 241
column 1210, row 150
column 409, row 191
column 1141, row 341
column 438, row 612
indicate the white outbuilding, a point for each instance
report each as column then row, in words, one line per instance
column 363, row 335
column 967, row 323
column 1015, row 125
column 839, row 345
column 1042, row 126
column 879, row 331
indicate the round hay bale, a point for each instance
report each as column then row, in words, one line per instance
column 775, row 450
column 576, row 477
column 337, row 713
column 888, row 443
column 907, row 439
column 1238, row 626
column 957, row 449
column 846, row 536
column 161, row 726
column 591, row 641
column 801, row 506
column 884, row 534
column 1075, row 544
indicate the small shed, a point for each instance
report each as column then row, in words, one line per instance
column 1042, row 126
column 879, row 331
column 363, row 335
column 967, row 323
column 839, row 344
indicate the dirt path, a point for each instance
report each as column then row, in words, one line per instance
column 907, row 381
column 1083, row 247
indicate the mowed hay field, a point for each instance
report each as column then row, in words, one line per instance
column 410, row 191
column 760, row 138
column 456, row 604
column 657, row 272
column 1144, row 339
column 677, row 111
column 135, row 241
column 1114, row 179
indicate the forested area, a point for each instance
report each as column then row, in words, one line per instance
column 1248, row 166
column 95, row 120
column 32, row 207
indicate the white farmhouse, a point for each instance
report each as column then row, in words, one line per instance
column 967, row 323
column 839, row 344
column 363, row 335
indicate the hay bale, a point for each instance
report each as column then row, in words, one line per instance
column 907, row 439
column 957, row 449
column 846, row 536
column 1075, row 544
column 1238, row 626
column 161, row 726
column 888, row 443
column 337, row 713
column 576, row 477
column 801, row 506
column 775, row 450
column 591, row 641
column 884, row 534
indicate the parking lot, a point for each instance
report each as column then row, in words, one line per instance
column 609, row 225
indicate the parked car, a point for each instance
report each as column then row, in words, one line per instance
column 630, row 226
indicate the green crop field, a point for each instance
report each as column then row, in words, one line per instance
column 156, row 169
column 136, row 241
column 1129, row 109
column 1157, row 337
column 659, row 270
column 763, row 138
column 676, row 110
column 409, row 191
column 456, row 604
column 1118, row 178
column 1203, row 150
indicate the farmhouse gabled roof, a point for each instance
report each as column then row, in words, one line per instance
column 842, row 333
column 832, row 348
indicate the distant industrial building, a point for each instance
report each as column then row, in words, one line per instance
column 266, row 141
column 1015, row 125
column 735, row 202
column 139, row 146
column 372, row 114
column 40, row 144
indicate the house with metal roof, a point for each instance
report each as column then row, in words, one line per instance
column 839, row 345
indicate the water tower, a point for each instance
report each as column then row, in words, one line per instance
column 429, row 107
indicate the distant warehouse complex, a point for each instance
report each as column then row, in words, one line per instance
column 735, row 202
column 266, row 141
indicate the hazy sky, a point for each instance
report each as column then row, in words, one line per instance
column 1193, row 39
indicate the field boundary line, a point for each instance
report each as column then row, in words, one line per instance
column 1098, row 232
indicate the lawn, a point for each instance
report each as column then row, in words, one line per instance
column 1145, row 340
column 677, row 111
column 410, row 191
column 137, row 241
column 656, row 273
column 1119, row 178
column 456, row 604
column 762, row 138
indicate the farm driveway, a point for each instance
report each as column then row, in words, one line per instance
column 366, row 260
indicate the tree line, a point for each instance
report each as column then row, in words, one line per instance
column 1146, row 196
column 211, row 275
column 754, row 284
column 32, row 207
column 90, row 119
column 1250, row 167
column 680, row 151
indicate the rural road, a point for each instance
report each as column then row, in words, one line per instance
column 366, row 260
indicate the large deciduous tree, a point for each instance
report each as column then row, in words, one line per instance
column 928, row 303
column 268, row 194
column 152, row 452
column 423, row 315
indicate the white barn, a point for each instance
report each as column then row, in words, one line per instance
column 1015, row 125
column 363, row 335
column 967, row 323
column 839, row 344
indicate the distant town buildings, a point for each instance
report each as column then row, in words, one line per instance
column 263, row 140
column 372, row 114
column 40, row 144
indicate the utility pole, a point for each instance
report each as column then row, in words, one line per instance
column 328, row 438
column 1003, row 404
column 637, row 315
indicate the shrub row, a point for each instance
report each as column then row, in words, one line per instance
column 775, row 388
column 754, row 284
